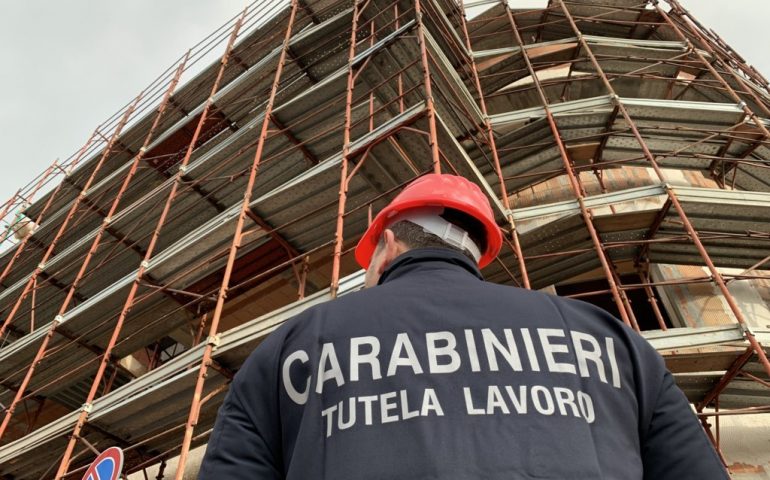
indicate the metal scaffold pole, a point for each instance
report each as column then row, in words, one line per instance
column 106, row 356
column 741, row 103
column 617, row 293
column 150, row 250
column 707, row 46
column 493, row 148
column 20, row 248
column 431, row 107
column 623, row 147
column 237, row 239
column 351, row 81
column 70, row 214
column 716, row 276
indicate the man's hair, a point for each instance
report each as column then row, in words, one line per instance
column 414, row 236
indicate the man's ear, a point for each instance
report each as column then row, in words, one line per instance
column 391, row 249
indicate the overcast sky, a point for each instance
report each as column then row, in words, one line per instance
column 67, row 65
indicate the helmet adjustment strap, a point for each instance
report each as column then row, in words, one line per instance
column 430, row 220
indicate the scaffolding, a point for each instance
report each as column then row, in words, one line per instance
column 623, row 146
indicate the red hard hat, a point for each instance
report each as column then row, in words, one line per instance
column 436, row 190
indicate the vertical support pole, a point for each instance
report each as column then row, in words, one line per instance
column 206, row 360
column 39, row 219
column 373, row 30
column 716, row 421
column 83, row 416
column 653, row 301
column 338, row 237
column 691, row 232
column 707, row 46
column 39, row 268
column 431, row 107
column 33, row 301
column 493, row 147
column 707, row 429
column 400, row 74
column 585, row 211
column 748, row 111
column 161, row 470
column 36, row 415
column 201, row 329
column 178, row 178
column 303, row 277
column 624, row 297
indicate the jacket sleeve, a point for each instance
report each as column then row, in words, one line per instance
column 675, row 445
column 245, row 442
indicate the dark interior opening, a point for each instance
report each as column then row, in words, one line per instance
column 643, row 311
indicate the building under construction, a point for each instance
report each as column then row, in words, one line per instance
column 623, row 145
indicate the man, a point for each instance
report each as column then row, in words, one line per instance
column 436, row 374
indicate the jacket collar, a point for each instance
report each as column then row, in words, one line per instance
column 422, row 259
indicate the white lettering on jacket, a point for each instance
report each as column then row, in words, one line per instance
column 373, row 358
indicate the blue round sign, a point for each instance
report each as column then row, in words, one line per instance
column 107, row 465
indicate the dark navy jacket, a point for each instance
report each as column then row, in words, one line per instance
column 436, row 374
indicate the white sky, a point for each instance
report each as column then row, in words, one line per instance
column 67, row 65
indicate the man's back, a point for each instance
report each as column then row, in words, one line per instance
column 436, row 374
